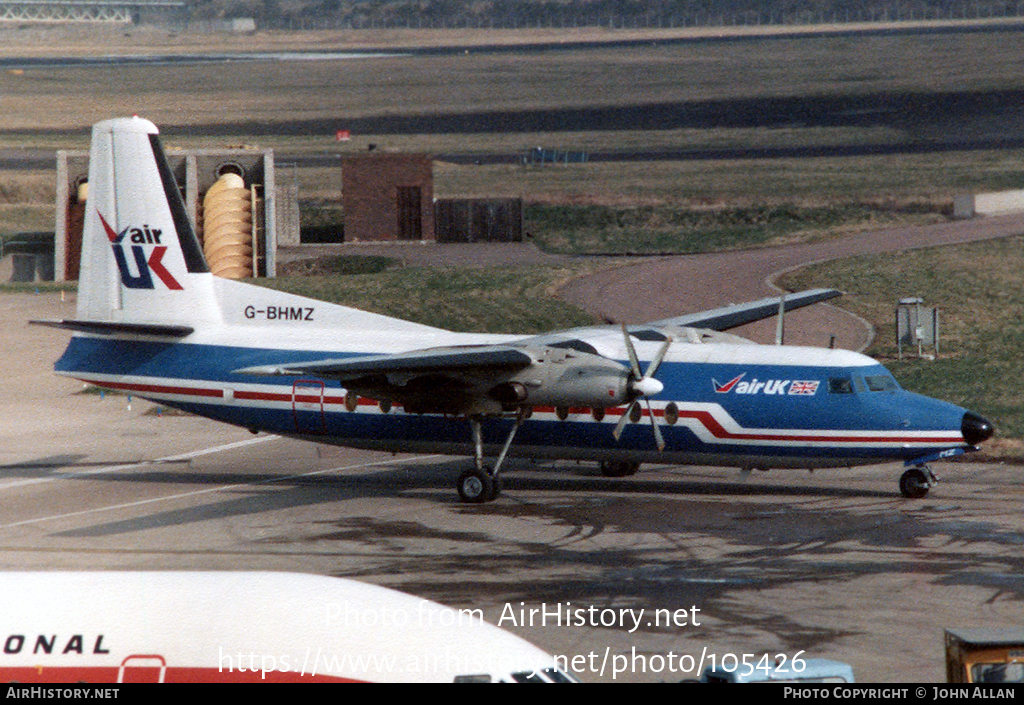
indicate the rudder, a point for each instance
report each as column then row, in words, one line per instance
column 141, row 260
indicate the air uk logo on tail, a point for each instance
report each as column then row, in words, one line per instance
column 146, row 266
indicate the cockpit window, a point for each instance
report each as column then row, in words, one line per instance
column 880, row 383
column 840, row 385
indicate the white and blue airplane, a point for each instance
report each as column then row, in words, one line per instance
column 153, row 321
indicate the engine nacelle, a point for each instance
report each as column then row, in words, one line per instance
column 570, row 378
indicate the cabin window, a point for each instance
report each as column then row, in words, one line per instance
column 880, row 383
column 840, row 385
column 671, row 413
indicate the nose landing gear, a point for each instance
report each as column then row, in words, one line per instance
column 915, row 482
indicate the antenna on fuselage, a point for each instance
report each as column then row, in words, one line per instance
column 780, row 324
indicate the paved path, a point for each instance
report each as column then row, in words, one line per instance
column 672, row 286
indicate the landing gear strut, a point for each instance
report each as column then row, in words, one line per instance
column 915, row 482
column 482, row 483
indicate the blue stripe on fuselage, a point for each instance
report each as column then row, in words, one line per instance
column 684, row 383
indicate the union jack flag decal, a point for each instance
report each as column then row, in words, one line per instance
column 804, row 387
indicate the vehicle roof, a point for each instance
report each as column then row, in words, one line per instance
column 989, row 636
column 813, row 668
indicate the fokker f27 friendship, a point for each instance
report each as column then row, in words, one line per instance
column 152, row 320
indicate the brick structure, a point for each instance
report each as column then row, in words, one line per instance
column 388, row 197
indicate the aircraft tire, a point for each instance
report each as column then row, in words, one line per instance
column 619, row 468
column 476, row 487
column 914, row 484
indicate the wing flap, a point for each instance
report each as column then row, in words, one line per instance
column 418, row 362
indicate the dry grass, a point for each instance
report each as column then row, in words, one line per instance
column 979, row 292
column 27, row 188
column 38, row 40
column 264, row 93
column 26, row 218
column 930, row 178
column 505, row 300
column 249, row 102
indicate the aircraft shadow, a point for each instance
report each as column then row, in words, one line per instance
column 256, row 493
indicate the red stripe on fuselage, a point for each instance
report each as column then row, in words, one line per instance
column 704, row 417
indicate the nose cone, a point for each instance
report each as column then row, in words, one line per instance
column 976, row 428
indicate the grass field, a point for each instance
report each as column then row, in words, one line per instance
column 648, row 230
column 255, row 95
column 979, row 292
column 502, row 300
column 295, row 108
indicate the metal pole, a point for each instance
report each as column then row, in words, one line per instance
column 780, row 324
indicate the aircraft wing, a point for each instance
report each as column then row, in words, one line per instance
column 554, row 369
column 473, row 379
column 454, row 360
column 721, row 319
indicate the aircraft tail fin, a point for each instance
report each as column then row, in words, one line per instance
column 141, row 259
column 143, row 272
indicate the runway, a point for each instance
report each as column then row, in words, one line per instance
column 832, row 564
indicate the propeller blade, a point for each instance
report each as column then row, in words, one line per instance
column 621, row 425
column 658, row 438
column 643, row 386
column 652, row 369
column 633, row 361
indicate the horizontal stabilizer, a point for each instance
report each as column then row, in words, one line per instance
column 727, row 317
column 432, row 360
column 119, row 328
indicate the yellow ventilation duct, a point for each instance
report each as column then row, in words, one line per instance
column 227, row 228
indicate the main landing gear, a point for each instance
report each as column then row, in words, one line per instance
column 482, row 483
column 915, row 482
